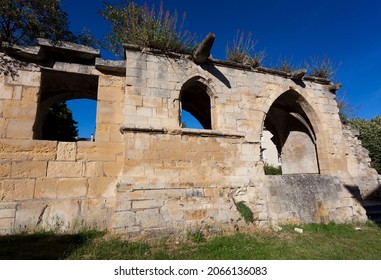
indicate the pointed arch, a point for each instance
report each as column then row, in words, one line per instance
column 197, row 98
column 292, row 122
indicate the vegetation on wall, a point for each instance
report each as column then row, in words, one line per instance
column 272, row 170
column 242, row 51
column 321, row 67
column 370, row 136
column 146, row 26
column 245, row 211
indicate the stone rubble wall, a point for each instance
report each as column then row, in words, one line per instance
column 146, row 174
column 361, row 175
column 50, row 185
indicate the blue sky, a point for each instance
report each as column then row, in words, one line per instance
column 348, row 32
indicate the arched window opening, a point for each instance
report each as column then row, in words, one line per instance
column 292, row 134
column 195, row 102
column 67, row 107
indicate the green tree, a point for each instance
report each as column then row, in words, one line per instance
column 23, row 21
column 370, row 135
column 147, row 27
column 59, row 124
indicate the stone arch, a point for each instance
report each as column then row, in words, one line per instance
column 197, row 98
column 57, row 86
column 294, row 125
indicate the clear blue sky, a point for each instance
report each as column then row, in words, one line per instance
column 348, row 32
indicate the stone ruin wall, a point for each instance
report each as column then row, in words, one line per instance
column 144, row 173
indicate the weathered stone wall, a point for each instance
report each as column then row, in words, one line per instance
column 145, row 173
column 57, row 185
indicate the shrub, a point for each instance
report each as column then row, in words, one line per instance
column 321, row 68
column 272, row 170
column 245, row 211
column 286, row 65
column 147, row 27
column 242, row 51
column 197, row 236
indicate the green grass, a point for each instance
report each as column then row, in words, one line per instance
column 318, row 241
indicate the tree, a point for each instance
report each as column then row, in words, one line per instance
column 59, row 124
column 23, row 21
column 370, row 135
column 147, row 27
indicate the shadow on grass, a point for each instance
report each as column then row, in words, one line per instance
column 42, row 246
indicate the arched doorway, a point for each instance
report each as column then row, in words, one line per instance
column 293, row 134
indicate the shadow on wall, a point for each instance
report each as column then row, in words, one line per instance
column 371, row 202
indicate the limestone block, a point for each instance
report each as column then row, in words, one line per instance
column 113, row 94
column 172, row 212
column 31, row 169
column 6, row 92
column 111, row 81
column 66, row 151
column 135, row 72
column 146, row 204
column 99, row 151
column 6, row 223
column 95, row 215
column 46, row 188
column 64, row 169
column 8, row 210
column 93, row 169
column 123, row 203
column 149, row 218
column 5, row 169
column 72, row 187
column 25, row 78
column 58, row 216
column 112, row 169
column 124, row 219
column 20, row 128
column 195, row 215
column 27, row 149
column 109, row 112
column 144, row 111
column 102, row 187
column 30, row 94
column 17, row 189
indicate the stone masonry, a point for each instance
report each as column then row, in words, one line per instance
column 145, row 173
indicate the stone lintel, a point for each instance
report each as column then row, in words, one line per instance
column 69, row 48
column 111, row 66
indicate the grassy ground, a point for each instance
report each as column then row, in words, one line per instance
column 332, row 242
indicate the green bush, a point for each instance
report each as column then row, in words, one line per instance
column 245, row 211
column 147, row 27
column 272, row 170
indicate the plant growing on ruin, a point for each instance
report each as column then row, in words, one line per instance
column 286, row 65
column 242, row 51
column 370, row 136
column 244, row 210
column 272, row 170
column 321, row 68
column 146, row 26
